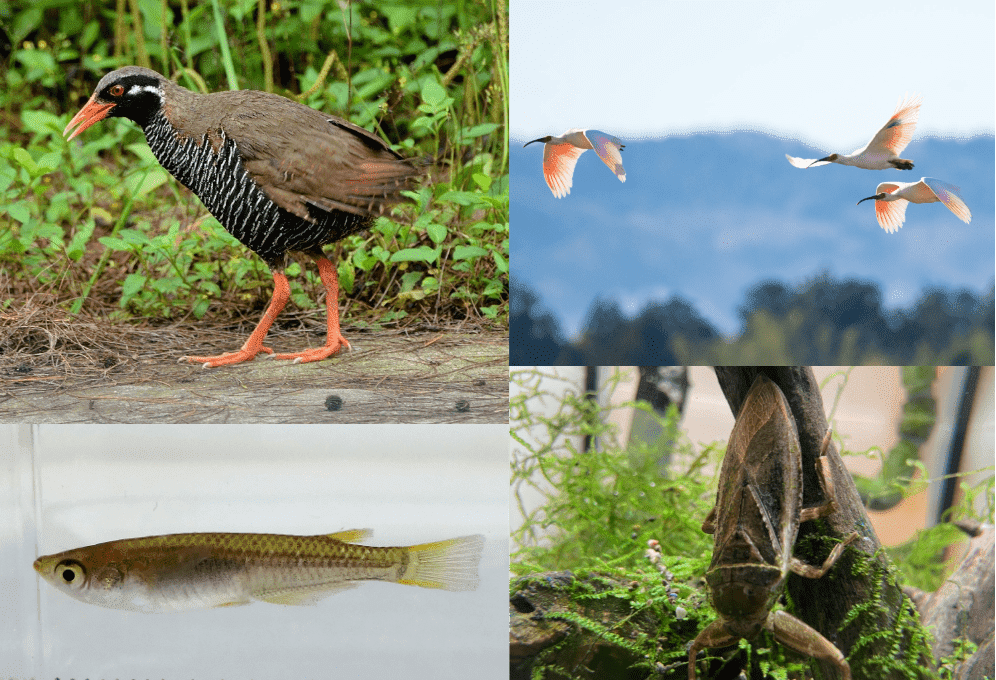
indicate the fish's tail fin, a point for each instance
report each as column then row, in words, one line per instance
column 450, row 565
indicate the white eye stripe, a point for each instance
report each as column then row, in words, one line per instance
column 135, row 89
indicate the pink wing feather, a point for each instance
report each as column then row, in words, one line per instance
column 558, row 166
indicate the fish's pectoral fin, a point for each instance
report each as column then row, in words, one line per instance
column 301, row 596
column 350, row 535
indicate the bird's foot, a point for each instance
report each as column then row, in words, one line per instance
column 331, row 347
column 244, row 354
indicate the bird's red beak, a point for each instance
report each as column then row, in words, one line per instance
column 91, row 113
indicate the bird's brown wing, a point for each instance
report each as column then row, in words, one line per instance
column 304, row 159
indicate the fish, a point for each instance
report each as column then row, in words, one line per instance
column 178, row 572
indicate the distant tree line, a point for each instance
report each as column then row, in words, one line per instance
column 825, row 322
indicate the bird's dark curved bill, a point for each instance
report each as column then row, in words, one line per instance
column 866, row 199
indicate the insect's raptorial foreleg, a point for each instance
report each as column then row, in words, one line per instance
column 793, row 633
column 709, row 523
column 809, row 571
column 825, row 475
column 713, row 635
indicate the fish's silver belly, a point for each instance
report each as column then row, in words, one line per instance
column 213, row 582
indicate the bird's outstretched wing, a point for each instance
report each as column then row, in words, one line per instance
column 890, row 214
column 558, row 166
column 805, row 162
column 948, row 194
column 898, row 132
column 608, row 149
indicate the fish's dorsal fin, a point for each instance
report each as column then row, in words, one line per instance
column 350, row 535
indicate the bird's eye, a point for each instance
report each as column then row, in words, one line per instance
column 70, row 572
column 116, row 91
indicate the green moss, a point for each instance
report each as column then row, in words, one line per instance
column 903, row 644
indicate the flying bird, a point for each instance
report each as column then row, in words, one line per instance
column 882, row 152
column 560, row 154
column 891, row 199
column 278, row 175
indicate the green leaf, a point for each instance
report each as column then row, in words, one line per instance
column 399, row 17
column 433, row 93
column 420, row 254
column 478, row 130
column 141, row 183
column 468, row 252
column 481, row 180
column 380, row 253
column 20, row 211
column 41, row 122
column 409, row 280
column 114, row 243
column 77, row 246
column 50, row 161
column 131, row 286
column 468, row 198
column 201, row 307
column 364, row 260
column 25, row 160
column 500, row 262
column 98, row 213
column 347, row 276
column 134, row 237
column 437, row 232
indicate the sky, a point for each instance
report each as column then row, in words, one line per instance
column 69, row 486
column 819, row 72
column 709, row 97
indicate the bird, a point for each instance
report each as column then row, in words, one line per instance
column 278, row 175
column 560, row 154
column 891, row 199
column 882, row 152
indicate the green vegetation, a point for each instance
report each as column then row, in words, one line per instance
column 100, row 226
column 593, row 512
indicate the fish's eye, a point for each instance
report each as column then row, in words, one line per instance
column 70, row 572
column 116, row 91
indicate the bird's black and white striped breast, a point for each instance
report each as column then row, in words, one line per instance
column 219, row 179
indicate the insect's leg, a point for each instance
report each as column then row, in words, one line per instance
column 713, row 635
column 825, row 475
column 809, row 571
column 709, row 524
column 793, row 633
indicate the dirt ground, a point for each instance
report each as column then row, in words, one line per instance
column 57, row 369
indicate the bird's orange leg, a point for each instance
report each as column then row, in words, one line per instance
column 254, row 345
column 334, row 341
